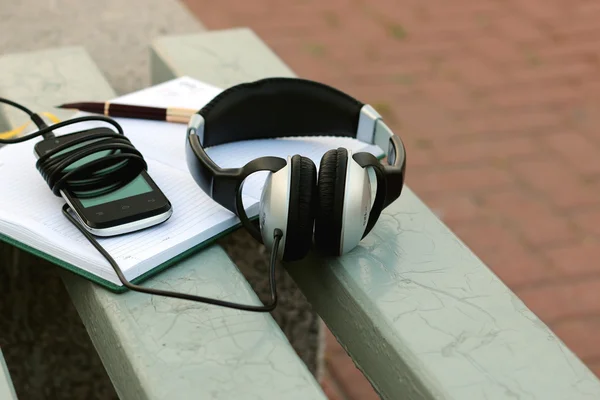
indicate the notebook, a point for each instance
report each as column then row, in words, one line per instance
column 31, row 217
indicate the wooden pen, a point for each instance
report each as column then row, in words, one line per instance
column 170, row 114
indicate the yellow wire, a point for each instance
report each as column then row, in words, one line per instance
column 18, row 130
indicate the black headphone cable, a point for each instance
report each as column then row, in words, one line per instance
column 125, row 158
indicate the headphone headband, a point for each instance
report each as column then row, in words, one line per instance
column 284, row 107
column 303, row 107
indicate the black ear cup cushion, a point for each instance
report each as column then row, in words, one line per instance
column 301, row 212
column 330, row 201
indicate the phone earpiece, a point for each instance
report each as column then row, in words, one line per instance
column 343, row 203
column 288, row 203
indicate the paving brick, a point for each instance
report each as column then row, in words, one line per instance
column 581, row 24
column 492, row 122
column 585, row 117
column 405, row 73
column 471, row 70
column 516, row 28
column 541, row 94
column 577, row 149
column 582, row 50
column 500, row 249
column 307, row 66
column 547, row 231
column 465, row 11
column 561, row 184
column 331, row 388
column 419, row 157
column 449, row 94
column 331, row 47
column 561, row 72
column 517, row 267
column 595, row 367
column 441, row 27
column 459, row 179
column 392, row 49
column 334, row 349
column 486, row 236
column 351, row 381
column 576, row 194
column 454, row 208
column 421, row 118
column 563, row 299
column 378, row 93
column 495, row 49
column 582, row 336
column 591, row 91
column 483, row 149
column 543, row 10
column 576, row 259
column 536, row 222
column 588, row 221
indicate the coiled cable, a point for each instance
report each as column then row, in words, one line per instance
column 120, row 164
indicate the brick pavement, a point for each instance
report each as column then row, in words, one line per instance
column 498, row 102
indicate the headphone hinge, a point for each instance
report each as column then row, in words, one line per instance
column 196, row 126
column 365, row 131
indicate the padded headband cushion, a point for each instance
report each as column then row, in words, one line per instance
column 301, row 213
column 278, row 107
column 330, row 203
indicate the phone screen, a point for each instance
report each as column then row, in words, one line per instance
column 138, row 186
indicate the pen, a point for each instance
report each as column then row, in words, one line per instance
column 169, row 114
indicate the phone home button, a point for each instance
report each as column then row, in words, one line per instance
column 125, row 207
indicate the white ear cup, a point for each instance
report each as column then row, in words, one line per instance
column 274, row 206
column 357, row 205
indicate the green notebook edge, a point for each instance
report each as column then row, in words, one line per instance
column 107, row 284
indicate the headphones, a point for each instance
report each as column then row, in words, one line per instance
column 335, row 209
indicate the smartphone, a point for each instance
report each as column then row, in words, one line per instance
column 138, row 205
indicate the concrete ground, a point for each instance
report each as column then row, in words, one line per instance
column 115, row 33
column 498, row 102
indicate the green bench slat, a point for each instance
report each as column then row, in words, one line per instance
column 419, row 313
column 223, row 58
column 424, row 318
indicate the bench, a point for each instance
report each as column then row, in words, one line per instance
column 418, row 312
